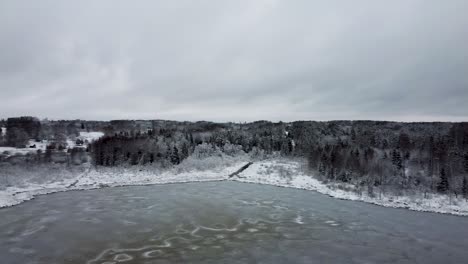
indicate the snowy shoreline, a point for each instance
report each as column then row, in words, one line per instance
column 285, row 173
column 281, row 173
column 103, row 178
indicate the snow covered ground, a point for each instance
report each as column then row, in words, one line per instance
column 287, row 173
column 278, row 172
column 22, row 151
column 112, row 177
column 86, row 137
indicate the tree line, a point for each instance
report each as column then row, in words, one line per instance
column 370, row 155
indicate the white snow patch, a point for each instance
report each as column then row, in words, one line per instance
column 91, row 136
column 86, row 137
column 9, row 151
column 14, row 151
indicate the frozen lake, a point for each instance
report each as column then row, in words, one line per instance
column 222, row 222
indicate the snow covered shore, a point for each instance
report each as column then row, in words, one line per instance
column 112, row 177
column 286, row 173
column 277, row 172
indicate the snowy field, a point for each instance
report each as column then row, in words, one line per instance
column 277, row 172
column 33, row 145
column 22, row 151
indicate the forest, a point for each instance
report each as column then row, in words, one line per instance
column 371, row 155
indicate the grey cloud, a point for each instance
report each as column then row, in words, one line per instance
column 235, row 60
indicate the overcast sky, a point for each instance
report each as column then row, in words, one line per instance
column 235, row 60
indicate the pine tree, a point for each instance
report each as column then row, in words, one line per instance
column 465, row 162
column 465, row 188
column 353, row 135
column 404, row 142
column 323, row 164
column 175, row 159
column 385, row 144
column 443, row 185
column 168, row 153
column 290, row 146
column 134, row 159
column 48, row 155
column 185, row 151
column 321, row 169
column 396, row 159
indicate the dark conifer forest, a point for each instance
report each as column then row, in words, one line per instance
column 393, row 156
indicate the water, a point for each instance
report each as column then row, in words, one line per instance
column 222, row 222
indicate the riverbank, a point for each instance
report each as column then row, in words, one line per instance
column 288, row 173
column 277, row 172
column 113, row 177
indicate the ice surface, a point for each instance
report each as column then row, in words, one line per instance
column 233, row 224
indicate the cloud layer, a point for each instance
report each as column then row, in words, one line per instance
column 235, row 60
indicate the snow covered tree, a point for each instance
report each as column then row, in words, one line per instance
column 465, row 188
column 184, row 151
column 443, row 185
column 396, row 159
column 175, row 159
column 404, row 142
column 290, row 146
column 465, row 162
